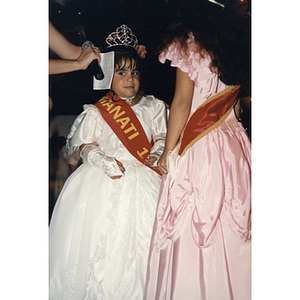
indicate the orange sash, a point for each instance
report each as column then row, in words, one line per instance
column 125, row 124
column 208, row 116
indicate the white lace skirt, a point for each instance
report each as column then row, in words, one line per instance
column 100, row 234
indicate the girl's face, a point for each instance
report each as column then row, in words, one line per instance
column 126, row 80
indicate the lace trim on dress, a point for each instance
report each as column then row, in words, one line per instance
column 132, row 235
column 71, row 275
column 95, row 157
column 94, row 290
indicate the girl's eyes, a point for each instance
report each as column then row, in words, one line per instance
column 133, row 73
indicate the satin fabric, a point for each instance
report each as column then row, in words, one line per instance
column 101, row 228
column 208, row 116
column 200, row 248
column 123, row 111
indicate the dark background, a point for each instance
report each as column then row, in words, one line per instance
column 93, row 20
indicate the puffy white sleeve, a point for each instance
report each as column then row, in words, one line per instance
column 159, row 127
column 86, row 129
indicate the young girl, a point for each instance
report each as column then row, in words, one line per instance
column 101, row 225
column 200, row 248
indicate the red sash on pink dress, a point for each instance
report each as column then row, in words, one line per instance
column 209, row 115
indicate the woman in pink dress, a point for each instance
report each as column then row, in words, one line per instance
column 200, row 247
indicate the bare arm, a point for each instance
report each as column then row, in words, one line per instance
column 61, row 46
column 179, row 112
column 59, row 66
column 87, row 55
column 73, row 58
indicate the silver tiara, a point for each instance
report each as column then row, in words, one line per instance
column 123, row 36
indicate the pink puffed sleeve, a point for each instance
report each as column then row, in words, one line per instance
column 197, row 67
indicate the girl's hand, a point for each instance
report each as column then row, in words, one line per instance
column 141, row 51
column 87, row 55
column 122, row 169
column 163, row 163
column 150, row 160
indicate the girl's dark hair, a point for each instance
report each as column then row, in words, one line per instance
column 223, row 33
column 123, row 55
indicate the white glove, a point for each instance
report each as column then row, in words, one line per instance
column 95, row 157
column 157, row 150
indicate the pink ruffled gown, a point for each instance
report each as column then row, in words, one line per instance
column 200, row 247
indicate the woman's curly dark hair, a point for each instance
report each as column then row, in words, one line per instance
column 223, row 33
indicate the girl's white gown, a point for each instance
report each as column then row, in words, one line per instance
column 101, row 228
